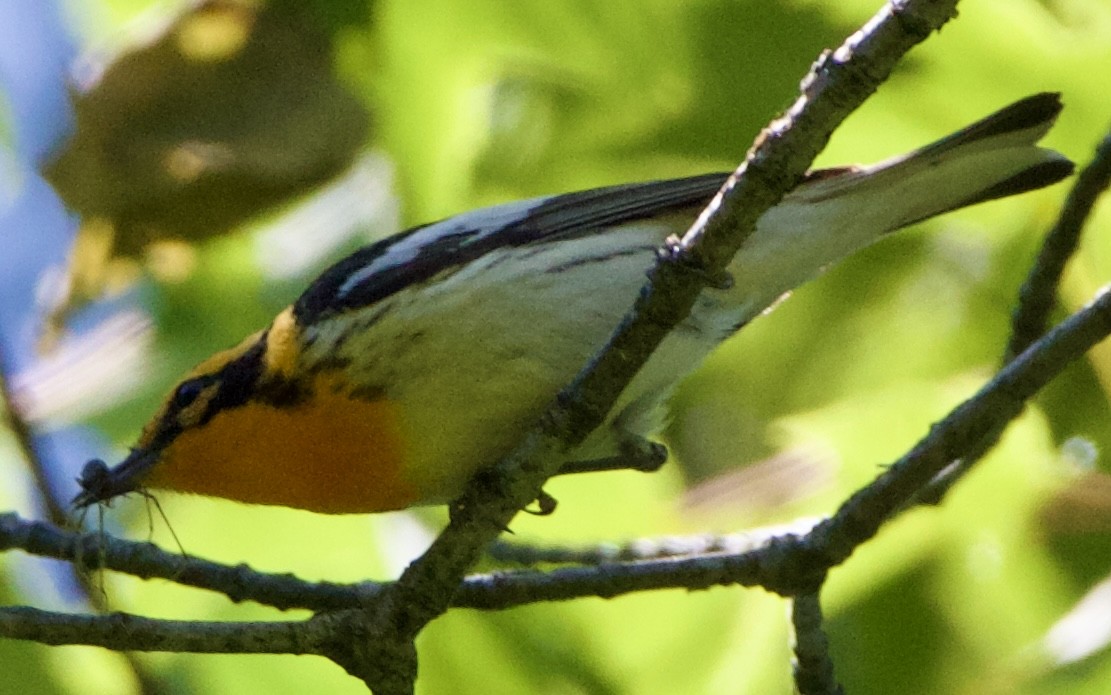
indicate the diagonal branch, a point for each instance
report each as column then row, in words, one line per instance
column 839, row 82
column 1038, row 295
column 980, row 418
column 56, row 510
column 25, row 440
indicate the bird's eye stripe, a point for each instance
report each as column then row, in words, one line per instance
column 188, row 391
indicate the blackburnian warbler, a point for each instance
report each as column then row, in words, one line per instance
column 416, row 361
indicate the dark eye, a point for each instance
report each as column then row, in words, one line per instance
column 188, row 391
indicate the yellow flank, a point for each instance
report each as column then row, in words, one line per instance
column 333, row 453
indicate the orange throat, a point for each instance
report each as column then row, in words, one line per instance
column 332, row 453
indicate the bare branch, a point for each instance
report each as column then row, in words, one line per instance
column 639, row 549
column 121, row 631
column 838, row 83
column 813, row 665
column 964, row 430
column 55, row 508
column 148, row 561
column 13, row 418
column 1038, row 295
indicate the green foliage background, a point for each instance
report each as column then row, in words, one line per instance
column 481, row 101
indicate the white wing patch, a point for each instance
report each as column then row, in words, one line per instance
column 476, row 225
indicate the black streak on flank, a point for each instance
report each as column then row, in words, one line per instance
column 560, row 217
column 587, row 260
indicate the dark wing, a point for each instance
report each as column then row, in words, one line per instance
column 388, row 266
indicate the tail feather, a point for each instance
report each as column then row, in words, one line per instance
column 1024, row 122
column 1037, row 176
column 1009, row 160
column 833, row 213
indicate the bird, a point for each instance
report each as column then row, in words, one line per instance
column 420, row 360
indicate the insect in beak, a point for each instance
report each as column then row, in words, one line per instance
column 100, row 483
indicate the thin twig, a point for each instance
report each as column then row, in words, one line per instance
column 965, row 429
column 839, row 82
column 1038, row 295
column 56, row 510
column 813, row 665
column 649, row 548
column 25, row 440
column 148, row 561
column 121, row 631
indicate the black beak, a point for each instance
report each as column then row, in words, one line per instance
column 99, row 483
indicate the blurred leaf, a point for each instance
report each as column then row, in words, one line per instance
column 332, row 16
column 233, row 109
column 554, row 96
